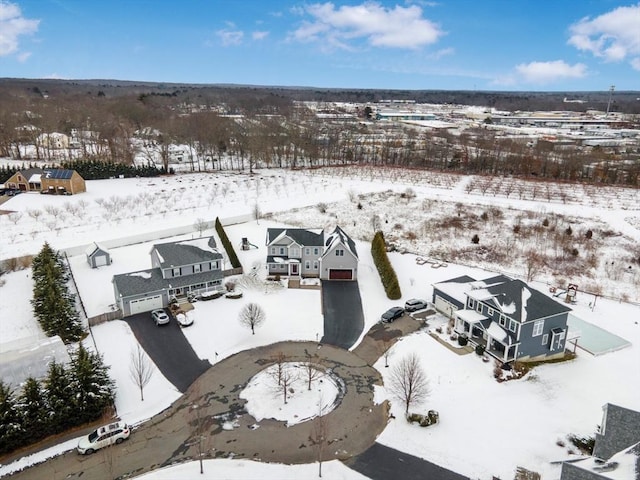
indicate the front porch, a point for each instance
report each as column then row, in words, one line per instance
column 481, row 330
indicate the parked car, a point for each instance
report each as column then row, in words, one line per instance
column 185, row 319
column 392, row 314
column 415, row 304
column 116, row 432
column 13, row 192
column 160, row 317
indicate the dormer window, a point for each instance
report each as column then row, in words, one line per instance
column 339, row 252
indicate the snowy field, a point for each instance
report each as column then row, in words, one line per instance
column 493, row 426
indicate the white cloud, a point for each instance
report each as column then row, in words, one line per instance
column 230, row 37
column 613, row 36
column 635, row 63
column 397, row 27
column 12, row 25
column 549, row 72
column 259, row 35
column 442, row 53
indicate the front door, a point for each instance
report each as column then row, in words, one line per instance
column 294, row 269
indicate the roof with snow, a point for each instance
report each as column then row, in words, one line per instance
column 620, row 430
column 521, row 302
column 187, row 252
column 150, row 281
column 94, row 248
column 339, row 235
column 302, row 236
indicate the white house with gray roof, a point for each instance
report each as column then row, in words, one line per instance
column 510, row 319
column 298, row 252
column 179, row 269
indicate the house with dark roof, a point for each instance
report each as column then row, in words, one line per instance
column 616, row 452
column 49, row 180
column 304, row 253
column 179, row 269
column 509, row 318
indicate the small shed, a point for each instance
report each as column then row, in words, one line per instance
column 98, row 256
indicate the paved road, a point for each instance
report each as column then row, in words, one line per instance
column 169, row 349
column 170, row 437
column 343, row 316
column 384, row 463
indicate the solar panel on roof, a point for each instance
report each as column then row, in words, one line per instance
column 59, row 173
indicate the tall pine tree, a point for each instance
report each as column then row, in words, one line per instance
column 53, row 304
column 93, row 390
column 33, row 411
column 11, row 434
column 60, row 398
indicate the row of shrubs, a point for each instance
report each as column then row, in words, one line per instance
column 54, row 306
column 69, row 396
column 226, row 243
column 387, row 273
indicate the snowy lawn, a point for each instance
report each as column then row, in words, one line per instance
column 495, row 426
column 265, row 396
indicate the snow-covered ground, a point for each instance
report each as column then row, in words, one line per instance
column 493, row 426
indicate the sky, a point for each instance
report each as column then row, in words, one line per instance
column 398, row 44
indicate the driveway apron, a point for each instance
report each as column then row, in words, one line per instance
column 383, row 463
column 169, row 349
column 343, row 316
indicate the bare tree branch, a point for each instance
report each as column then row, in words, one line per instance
column 252, row 316
column 408, row 381
column 141, row 369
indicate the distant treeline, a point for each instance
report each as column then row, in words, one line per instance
column 90, row 169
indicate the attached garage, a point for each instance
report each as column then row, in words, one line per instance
column 444, row 306
column 340, row 274
column 145, row 304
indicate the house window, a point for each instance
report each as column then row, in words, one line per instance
column 307, row 251
column 490, row 311
column 339, row 252
column 479, row 307
column 471, row 303
column 294, row 252
column 214, row 265
column 281, row 250
column 315, row 265
column 273, row 250
column 176, row 272
column 545, row 339
column 307, row 265
column 316, row 250
column 538, row 326
column 512, row 325
column 503, row 320
column 196, row 268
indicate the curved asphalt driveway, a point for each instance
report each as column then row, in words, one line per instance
column 169, row 349
column 343, row 316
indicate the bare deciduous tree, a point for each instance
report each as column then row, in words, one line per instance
column 319, row 437
column 312, row 370
column 252, row 316
column 141, row 369
column 533, row 264
column 408, row 381
column 201, row 225
column 287, row 378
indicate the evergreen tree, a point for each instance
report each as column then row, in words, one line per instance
column 92, row 387
column 11, row 434
column 33, row 411
column 59, row 398
column 53, row 304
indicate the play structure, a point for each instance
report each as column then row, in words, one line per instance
column 246, row 244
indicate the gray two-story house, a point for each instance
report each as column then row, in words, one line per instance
column 298, row 252
column 178, row 269
column 510, row 319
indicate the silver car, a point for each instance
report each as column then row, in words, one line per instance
column 160, row 317
column 415, row 304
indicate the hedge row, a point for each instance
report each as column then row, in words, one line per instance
column 386, row 271
column 70, row 395
column 233, row 257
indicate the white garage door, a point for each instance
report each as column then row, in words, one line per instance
column 101, row 260
column 145, row 304
column 445, row 307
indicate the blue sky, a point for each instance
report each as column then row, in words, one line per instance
column 401, row 44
